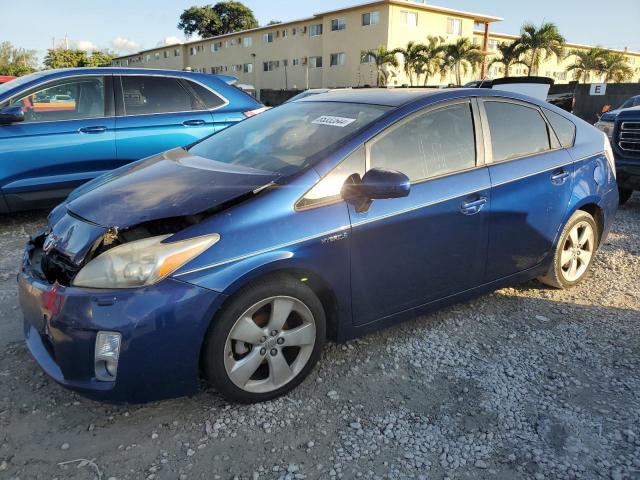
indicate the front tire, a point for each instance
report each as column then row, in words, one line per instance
column 574, row 252
column 265, row 340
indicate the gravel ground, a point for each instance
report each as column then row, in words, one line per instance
column 527, row 382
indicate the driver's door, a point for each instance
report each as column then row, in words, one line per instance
column 406, row 252
column 66, row 138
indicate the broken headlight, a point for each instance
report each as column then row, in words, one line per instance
column 142, row 262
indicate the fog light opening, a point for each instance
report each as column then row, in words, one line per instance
column 107, row 353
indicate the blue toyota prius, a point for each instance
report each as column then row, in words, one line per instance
column 236, row 258
column 61, row 128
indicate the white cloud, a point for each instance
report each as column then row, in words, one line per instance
column 169, row 41
column 124, row 43
column 85, row 45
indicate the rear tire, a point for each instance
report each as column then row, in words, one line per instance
column 574, row 252
column 624, row 194
column 265, row 340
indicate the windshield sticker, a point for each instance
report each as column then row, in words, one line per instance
column 333, row 121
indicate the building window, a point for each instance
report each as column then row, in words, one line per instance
column 295, row 62
column 370, row 18
column 270, row 66
column 493, row 45
column 337, row 59
column 176, row 52
column 247, row 41
column 367, row 58
column 315, row 62
column 409, row 18
column 216, row 46
column 285, row 33
column 338, row 24
column 247, row 68
column 148, row 57
column 315, row 30
column 165, row 54
column 267, row 37
column 157, row 55
column 454, row 26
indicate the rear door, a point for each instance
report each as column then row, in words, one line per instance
column 67, row 138
column 409, row 251
column 531, row 184
column 157, row 113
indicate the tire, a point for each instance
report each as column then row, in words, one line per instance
column 624, row 194
column 243, row 358
column 575, row 236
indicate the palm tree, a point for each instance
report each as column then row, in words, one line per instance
column 460, row 57
column 540, row 42
column 382, row 59
column 430, row 58
column 615, row 67
column 412, row 55
column 510, row 54
column 587, row 62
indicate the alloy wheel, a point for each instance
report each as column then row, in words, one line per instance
column 577, row 251
column 269, row 344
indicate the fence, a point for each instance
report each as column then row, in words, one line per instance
column 592, row 98
column 273, row 98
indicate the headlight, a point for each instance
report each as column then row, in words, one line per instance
column 606, row 127
column 139, row 263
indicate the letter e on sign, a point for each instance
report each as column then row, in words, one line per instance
column 598, row 89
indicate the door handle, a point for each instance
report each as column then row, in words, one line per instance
column 559, row 177
column 193, row 123
column 474, row 206
column 98, row 129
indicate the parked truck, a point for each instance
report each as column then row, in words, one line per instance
column 625, row 142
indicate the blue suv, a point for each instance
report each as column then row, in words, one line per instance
column 60, row 128
column 325, row 218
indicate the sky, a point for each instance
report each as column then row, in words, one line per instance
column 125, row 26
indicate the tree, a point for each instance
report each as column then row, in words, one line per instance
column 431, row 58
column 16, row 61
column 509, row 54
column 587, row 62
column 63, row 58
column 220, row 19
column 412, row 55
column 382, row 58
column 615, row 67
column 540, row 42
column 274, row 22
column 460, row 57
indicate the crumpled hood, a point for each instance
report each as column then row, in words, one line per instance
column 171, row 184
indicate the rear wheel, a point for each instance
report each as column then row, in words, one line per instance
column 624, row 194
column 265, row 341
column 574, row 252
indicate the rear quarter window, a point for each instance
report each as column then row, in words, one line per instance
column 564, row 128
column 206, row 96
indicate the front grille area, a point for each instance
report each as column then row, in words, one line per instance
column 629, row 137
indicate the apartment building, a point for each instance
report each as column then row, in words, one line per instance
column 325, row 50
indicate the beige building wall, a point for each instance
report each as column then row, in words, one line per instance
column 291, row 54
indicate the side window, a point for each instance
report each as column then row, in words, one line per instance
column 565, row 129
column 516, row 130
column 145, row 95
column 428, row 145
column 328, row 189
column 71, row 99
column 210, row 99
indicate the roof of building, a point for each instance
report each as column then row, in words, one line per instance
column 403, row 3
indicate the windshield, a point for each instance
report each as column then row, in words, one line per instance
column 288, row 138
column 632, row 102
column 5, row 87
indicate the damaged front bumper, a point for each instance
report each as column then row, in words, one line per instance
column 162, row 328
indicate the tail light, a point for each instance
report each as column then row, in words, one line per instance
column 252, row 113
column 608, row 152
column 573, row 104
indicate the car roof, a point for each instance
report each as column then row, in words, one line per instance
column 390, row 97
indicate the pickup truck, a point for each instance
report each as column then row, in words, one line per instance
column 625, row 142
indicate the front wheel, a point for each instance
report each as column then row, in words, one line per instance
column 265, row 341
column 574, row 252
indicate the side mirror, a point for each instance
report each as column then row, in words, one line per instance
column 377, row 183
column 9, row 115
